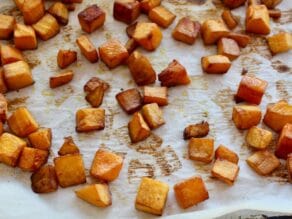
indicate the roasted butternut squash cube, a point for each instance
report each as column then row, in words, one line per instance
column 10, row 54
column 10, row 149
column 138, row 128
column 284, row 146
column 41, row 139
column 130, row 100
column 31, row 159
column 91, row 18
column 281, row 42
column 87, row 48
column 229, row 19
column 278, row 115
column 130, row 29
column 68, row 147
column 3, row 87
column 275, row 13
column 225, row 171
column 141, row 69
column 61, row 79
column 241, row 39
column 6, row 26
column 60, row 12
column 32, row 11
column 153, row 115
column 19, row 4
column 251, row 89
column 225, row 153
column 258, row 138
column 47, row 27
column 113, row 53
column 257, row 19
column 229, row 48
column 25, row 37
column 190, row 192
column 147, row 5
column 155, row 95
column 175, row 74
column 95, row 82
column 215, row 64
column 246, row 116
column 186, row 30
column 71, row 6
column 213, row 30
column 198, row 130
column 72, row 1
column 70, row 170
column 148, row 35
column 289, row 167
column 201, row 149
column 161, row 16
column 44, row 180
column 263, row 162
column 126, row 11
column 106, row 165
column 271, row 3
column 95, row 194
column 66, row 58
column 3, row 108
column 95, row 97
column 1, row 128
column 233, row 3
column 151, row 196
column 22, row 123
column 90, row 119
column 131, row 45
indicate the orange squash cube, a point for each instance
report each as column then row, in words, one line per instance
column 229, row 19
column 61, row 79
column 3, row 87
column 153, row 115
column 10, row 54
column 131, row 45
column 138, row 128
column 95, row 82
column 87, row 48
column 233, row 3
column 284, row 146
column 155, row 95
column 147, row 5
column 257, row 19
column 281, row 42
column 228, row 47
column 213, row 30
column 198, row 130
column 41, row 139
column 246, row 116
column 90, row 119
column 130, row 29
column 289, row 167
column 44, row 180
column 68, row 147
column 32, row 11
column 6, row 26
column 225, row 153
column 225, row 171
column 25, row 37
column 201, row 149
column 95, row 97
column 215, row 64
column 3, row 108
column 66, row 58
column 60, row 12
column 47, row 27
column 31, row 159
column 241, row 39
column 161, row 16
column 126, row 11
column 258, row 138
column 130, row 100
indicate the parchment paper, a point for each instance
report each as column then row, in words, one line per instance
column 163, row 155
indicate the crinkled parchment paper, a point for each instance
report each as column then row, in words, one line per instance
column 164, row 154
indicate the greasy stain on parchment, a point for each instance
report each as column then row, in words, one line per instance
column 12, row 11
column 280, row 175
column 224, row 99
column 186, row 2
column 32, row 59
column 251, row 65
column 280, row 67
column 16, row 102
column 138, row 169
column 257, row 45
column 286, row 17
column 281, row 87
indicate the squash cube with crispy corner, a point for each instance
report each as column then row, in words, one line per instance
column 126, row 10
column 186, row 30
column 141, row 69
column 106, row 165
column 3, row 87
column 257, row 19
column 155, row 95
column 32, row 11
column 241, row 39
column 130, row 100
column 25, row 37
column 41, row 139
column 251, row 89
column 213, row 30
column 258, row 138
column 233, row 3
column 6, row 26
column 198, row 130
column 263, row 162
column 10, row 148
column 113, row 53
column 68, row 147
column 201, row 149
column 246, row 116
column 138, row 128
column 281, row 42
column 9, row 54
column 161, row 16
column 131, row 45
column 175, row 74
column 147, row 5
column 284, row 146
column 152, row 115
column 70, row 170
column 215, row 64
column 225, row 153
column 31, row 159
column 66, row 58
column 95, row 82
column 90, row 119
column 22, row 123
column 130, row 29
column 225, row 170
column 44, row 180
column 47, row 27
column 271, row 3
column 96, row 194
column 91, row 18
column 60, row 12
column 228, row 47
column 61, row 79
column 151, row 196
column 289, row 167
column 95, row 97
column 229, row 19
column 3, row 108
column 148, row 35
column 190, row 192
column 87, row 48
column 278, row 115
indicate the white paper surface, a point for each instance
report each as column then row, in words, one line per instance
column 208, row 97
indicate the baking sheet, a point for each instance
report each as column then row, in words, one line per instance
column 164, row 154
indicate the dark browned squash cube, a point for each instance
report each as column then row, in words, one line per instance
column 130, row 100
column 91, row 18
column 95, row 82
column 44, row 180
column 31, row 159
column 229, row 48
column 126, row 10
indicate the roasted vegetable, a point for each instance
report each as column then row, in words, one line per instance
column 66, row 58
column 201, row 149
column 126, row 10
column 87, row 49
column 9, row 54
column 257, row 19
column 241, row 39
column 68, row 147
column 44, row 180
column 138, row 128
column 155, row 95
column 32, row 11
column 161, row 16
column 284, row 146
column 246, row 116
column 147, row 5
column 229, row 19
column 223, row 153
column 153, row 115
column 213, row 30
column 7, row 24
column 47, row 27
column 281, row 42
column 61, row 79
column 130, row 100
column 31, row 159
column 90, row 119
column 197, row 130
column 41, row 139
column 24, row 37
column 228, row 47
column 233, row 3
column 95, row 82
column 258, row 138
column 3, row 108
column 225, row 171
column 60, row 12
column 215, row 64
column 95, row 97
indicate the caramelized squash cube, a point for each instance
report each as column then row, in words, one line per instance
column 3, row 87
column 32, row 11
column 138, row 128
column 284, row 146
column 151, row 196
column 213, row 30
column 41, row 139
column 241, row 39
column 257, row 19
column 225, row 153
column 60, row 12
column 201, row 149
column 225, row 171
column 6, row 26
column 246, row 116
column 68, row 147
column 233, row 3
column 161, row 16
column 197, row 130
column 147, row 5
column 155, row 95
column 3, row 108
column 275, row 13
column 90, row 119
column 47, row 27
column 19, row 4
column 215, row 64
column 229, row 48
column 44, row 180
column 130, row 100
column 258, row 138
column 289, row 167
column 153, row 115
column 229, row 19
column 271, row 3
column 1, row 128
column 95, row 82
column 131, row 45
column 66, row 58
column 31, row 159
column 87, row 48
column 91, row 18
column 281, row 42
column 25, row 37
column 61, row 79
column 95, row 97
column 130, row 29
column 126, row 11
column 10, row 54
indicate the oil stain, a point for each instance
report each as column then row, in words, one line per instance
column 187, row 2
column 281, row 86
column 224, row 99
column 137, row 170
column 280, row 67
column 12, row 11
column 286, row 17
column 280, row 175
column 16, row 102
column 250, row 65
column 66, row 93
column 257, row 45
